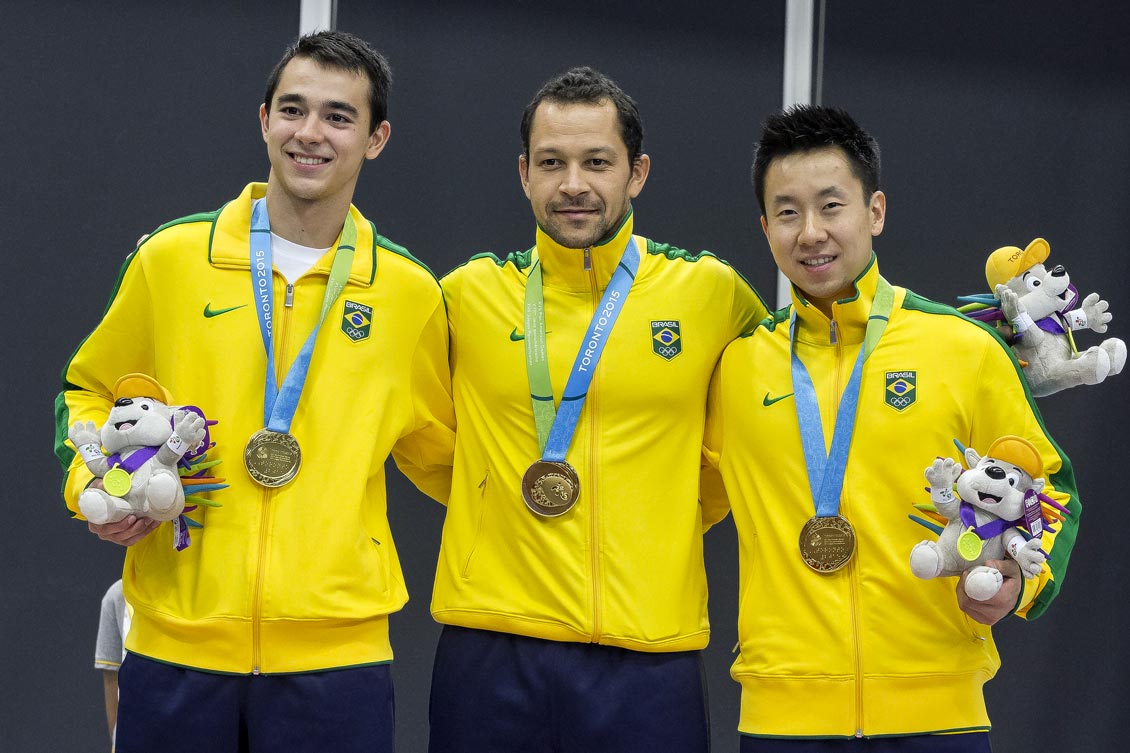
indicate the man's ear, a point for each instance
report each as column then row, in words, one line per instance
column 524, row 173
column 378, row 139
column 263, row 120
column 878, row 209
column 640, row 169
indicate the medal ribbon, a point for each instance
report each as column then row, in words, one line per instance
column 134, row 461
column 994, row 527
column 279, row 404
column 555, row 427
column 826, row 471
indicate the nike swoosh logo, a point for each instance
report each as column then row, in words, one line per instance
column 515, row 337
column 767, row 401
column 209, row 312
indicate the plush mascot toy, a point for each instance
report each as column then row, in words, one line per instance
column 998, row 509
column 148, row 440
column 1039, row 305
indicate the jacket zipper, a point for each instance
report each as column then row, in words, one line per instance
column 594, row 548
column 853, row 571
column 265, row 510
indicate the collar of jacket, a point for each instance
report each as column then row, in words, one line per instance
column 565, row 267
column 850, row 314
column 229, row 246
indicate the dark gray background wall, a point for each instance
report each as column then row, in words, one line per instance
column 999, row 122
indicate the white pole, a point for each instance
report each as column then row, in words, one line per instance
column 317, row 15
column 797, row 82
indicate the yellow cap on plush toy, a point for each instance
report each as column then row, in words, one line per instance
column 1019, row 452
column 141, row 385
column 1006, row 263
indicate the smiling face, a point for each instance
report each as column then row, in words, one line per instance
column 578, row 177
column 819, row 223
column 1043, row 292
column 318, row 133
column 996, row 487
column 136, row 422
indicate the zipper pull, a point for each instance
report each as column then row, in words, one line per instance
column 588, row 258
column 289, row 302
column 832, row 332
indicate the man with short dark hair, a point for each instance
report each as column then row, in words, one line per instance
column 570, row 581
column 820, row 425
column 321, row 348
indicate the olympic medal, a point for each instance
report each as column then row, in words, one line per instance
column 117, row 482
column 272, row 458
column 827, row 543
column 550, row 488
column 969, row 545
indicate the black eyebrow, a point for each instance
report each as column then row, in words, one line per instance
column 290, row 99
column 835, row 191
column 333, row 104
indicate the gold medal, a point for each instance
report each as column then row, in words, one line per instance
column 969, row 545
column 550, row 488
column 117, row 482
column 272, row 458
column 827, row 543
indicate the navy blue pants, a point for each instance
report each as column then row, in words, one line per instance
column 974, row 742
column 500, row 693
column 178, row 710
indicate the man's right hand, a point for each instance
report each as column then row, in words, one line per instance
column 127, row 531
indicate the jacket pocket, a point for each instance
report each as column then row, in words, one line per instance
column 481, row 513
column 385, row 569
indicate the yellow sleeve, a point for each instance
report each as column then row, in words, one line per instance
column 1005, row 405
column 712, row 492
column 425, row 455
column 121, row 343
column 748, row 309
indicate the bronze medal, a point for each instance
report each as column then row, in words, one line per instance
column 272, row 458
column 827, row 543
column 550, row 488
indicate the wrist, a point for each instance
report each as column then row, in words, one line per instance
column 1023, row 322
column 90, row 452
column 177, row 445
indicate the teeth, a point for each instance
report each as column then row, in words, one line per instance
column 817, row 261
column 309, row 160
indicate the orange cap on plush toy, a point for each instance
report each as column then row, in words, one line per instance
column 1019, row 452
column 141, row 385
column 1006, row 263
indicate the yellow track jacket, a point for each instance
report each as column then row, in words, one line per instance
column 301, row 577
column 624, row 566
column 869, row 649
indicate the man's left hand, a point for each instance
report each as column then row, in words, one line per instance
column 992, row 611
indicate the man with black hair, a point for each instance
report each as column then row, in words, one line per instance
column 570, row 581
column 321, row 348
column 820, row 425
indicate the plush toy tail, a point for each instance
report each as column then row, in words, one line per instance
column 936, row 528
column 196, row 482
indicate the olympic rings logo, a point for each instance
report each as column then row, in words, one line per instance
column 354, row 333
